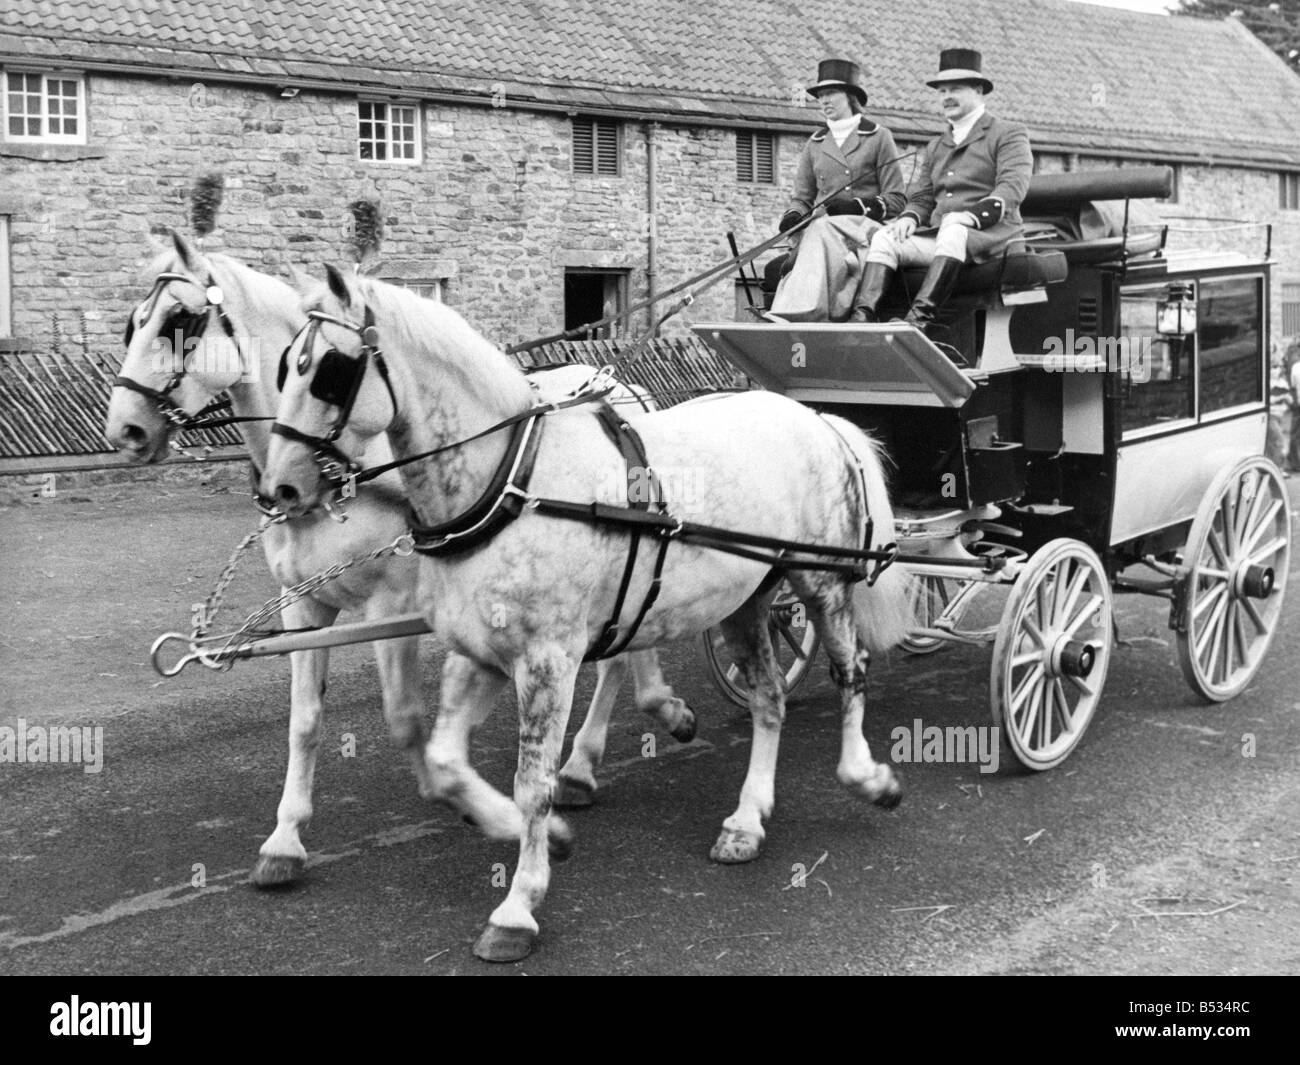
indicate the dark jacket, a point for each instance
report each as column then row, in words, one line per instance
column 987, row 174
column 868, row 156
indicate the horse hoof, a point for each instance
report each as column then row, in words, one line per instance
column 891, row 796
column 559, row 841
column 498, row 944
column 736, row 846
column 573, row 794
column 276, row 870
column 684, row 731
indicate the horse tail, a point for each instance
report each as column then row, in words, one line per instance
column 885, row 610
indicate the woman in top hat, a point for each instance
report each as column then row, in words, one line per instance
column 854, row 158
column 967, row 192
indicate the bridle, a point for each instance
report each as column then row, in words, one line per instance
column 337, row 382
column 190, row 326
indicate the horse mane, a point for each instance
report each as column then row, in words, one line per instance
column 429, row 329
column 240, row 279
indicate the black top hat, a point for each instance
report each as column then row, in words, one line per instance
column 960, row 64
column 839, row 74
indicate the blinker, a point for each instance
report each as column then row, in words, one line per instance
column 337, row 378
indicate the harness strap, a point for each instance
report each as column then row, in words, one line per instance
column 629, row 443
column 501, row 502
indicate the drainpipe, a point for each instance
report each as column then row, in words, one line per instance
column 652, row 232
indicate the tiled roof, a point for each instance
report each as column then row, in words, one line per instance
column 1080, row 75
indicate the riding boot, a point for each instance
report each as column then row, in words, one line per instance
column 872, row 286
column 939, row 282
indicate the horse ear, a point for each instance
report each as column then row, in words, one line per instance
column 189, row 256
column 338, row 285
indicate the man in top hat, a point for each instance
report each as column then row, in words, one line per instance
column 966, row 192
column 854, row 158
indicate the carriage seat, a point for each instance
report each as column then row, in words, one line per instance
column 1023, row 267
column 1100, row 249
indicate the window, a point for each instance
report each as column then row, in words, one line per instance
column 430, row 288
column 1290, row 308
column 6, row 315
column 388, row 132
column 1288, row 192
column 755, row 153
column 1217, row 368
column 591, row 295
column 1161, row 388
column 1229, row 313
column 45, row 107
column 595, row 146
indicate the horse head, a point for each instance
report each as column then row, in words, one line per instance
column 209, row 324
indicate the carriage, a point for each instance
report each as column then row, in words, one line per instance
column 1092, row 422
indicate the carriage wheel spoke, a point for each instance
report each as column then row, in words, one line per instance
column 1214, row 595
column 1072, row 594
column 1239, row 631
column 1026, row 658
column 1251, row 612
column 1034, row 632
column 1083, row 685
column 1257, row 529
column 796, row 645
column 1268, row 550
column 1241, row 511
column 1094, row 604
column 1228, row 511
column 1062, row 703
column 1211, row 628
column 1215, row 545
column 1026, row 684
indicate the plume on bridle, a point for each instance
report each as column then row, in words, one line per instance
column 205, row 201
column 367, row 229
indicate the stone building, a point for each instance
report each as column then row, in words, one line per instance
column 538, row 164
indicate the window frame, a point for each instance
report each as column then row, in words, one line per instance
column 1199, row 415
column 1288, row 190
column 755, row 136
column 437, row 284
column 416, row 124
column 594, row 124
column 616, row 283
column 45, row 136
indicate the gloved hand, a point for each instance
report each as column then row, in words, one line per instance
column 902, row 227
column 845, row 207
column 789, row 220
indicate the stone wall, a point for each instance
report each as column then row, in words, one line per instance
column 494, row 207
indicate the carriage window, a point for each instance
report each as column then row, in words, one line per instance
column 1229, row 313
column 45, row 107
column 1160, row 382
column 388, row 132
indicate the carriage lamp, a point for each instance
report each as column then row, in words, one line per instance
column 1176, row 313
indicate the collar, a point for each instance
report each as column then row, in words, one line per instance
column 961, row 130
column 865, row 128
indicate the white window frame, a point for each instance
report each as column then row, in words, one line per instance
column 429, row 288
column 45, row 136
column 416, row 140
column 6, row 292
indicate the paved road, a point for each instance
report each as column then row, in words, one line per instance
column 1158, row 847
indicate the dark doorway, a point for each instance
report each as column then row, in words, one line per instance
column 591, row 295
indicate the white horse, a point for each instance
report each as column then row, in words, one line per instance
column 264, row 314
column 527, row 604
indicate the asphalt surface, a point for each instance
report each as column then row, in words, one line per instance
column 1158, row 847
